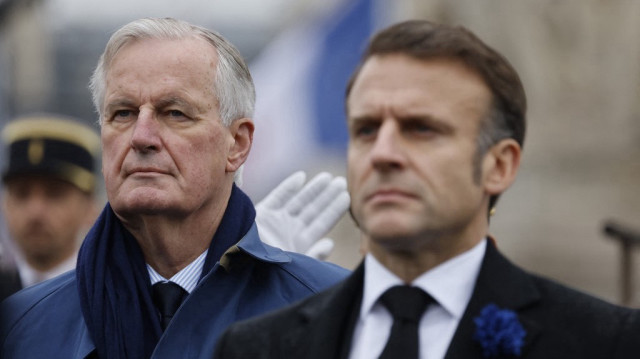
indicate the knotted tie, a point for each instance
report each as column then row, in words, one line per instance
column 406, row 304
column 167, row 296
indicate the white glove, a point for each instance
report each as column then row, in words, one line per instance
column 295, row 218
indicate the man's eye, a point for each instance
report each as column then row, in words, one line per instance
column 120, row 114
column 176, row 113
column 418, row 127
column 19, row 192
column 365, row 130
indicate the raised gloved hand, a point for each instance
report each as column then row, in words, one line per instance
column 295, row 218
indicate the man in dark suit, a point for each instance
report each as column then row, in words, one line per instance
column 436, row 121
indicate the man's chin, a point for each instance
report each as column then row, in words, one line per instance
column 143, row 207
column 388, row 226
column 391, row 232
column 398, row 243
column 141, row 198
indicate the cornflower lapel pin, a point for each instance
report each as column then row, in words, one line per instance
column 499, row 332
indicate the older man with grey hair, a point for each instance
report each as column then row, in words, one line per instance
column 175, row 256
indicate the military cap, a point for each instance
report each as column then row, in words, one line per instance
column 52, row 145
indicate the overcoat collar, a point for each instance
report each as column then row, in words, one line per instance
column 249, row 245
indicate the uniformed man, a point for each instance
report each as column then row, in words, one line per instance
column 48, row 197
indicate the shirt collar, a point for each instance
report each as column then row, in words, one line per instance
column 450, row 283
column 30, row 276
column 187, row 278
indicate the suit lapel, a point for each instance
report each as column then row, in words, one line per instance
column 326, row 322
column 501, row 283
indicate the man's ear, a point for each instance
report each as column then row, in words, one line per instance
column 500, row 166
column 242, row 137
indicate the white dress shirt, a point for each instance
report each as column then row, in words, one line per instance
column 30, row 276
column 187, row 278
column 450, row 284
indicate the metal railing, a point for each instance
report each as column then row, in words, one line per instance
column 629, row 239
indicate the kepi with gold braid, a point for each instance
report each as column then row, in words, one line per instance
column 52, row 145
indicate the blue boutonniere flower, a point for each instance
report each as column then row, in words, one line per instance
column 499, row 332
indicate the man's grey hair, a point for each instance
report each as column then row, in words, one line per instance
column 232, row 86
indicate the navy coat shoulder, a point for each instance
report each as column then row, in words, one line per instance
column 252, row 278
column 559, row 322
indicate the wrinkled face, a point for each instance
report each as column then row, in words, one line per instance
column 45, row 217
column 413, row 127
column 164, row 146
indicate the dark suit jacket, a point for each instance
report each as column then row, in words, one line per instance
column 9, row 282
column 559, row 322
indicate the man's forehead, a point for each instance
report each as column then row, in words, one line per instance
column 171, row 97
column 175, row 76
column 188, row 57
column 413, row 86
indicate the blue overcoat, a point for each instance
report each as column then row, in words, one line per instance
column 252, row 278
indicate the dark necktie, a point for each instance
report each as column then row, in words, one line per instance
column 406, row 304
column 167, row 296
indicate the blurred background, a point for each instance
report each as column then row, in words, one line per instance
column 579, row 61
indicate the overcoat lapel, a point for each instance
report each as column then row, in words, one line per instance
column 326, row 325
column 503, row 284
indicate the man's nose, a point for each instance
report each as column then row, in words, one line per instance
column 387, row 152
column 36, row 206
column 146, row 132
